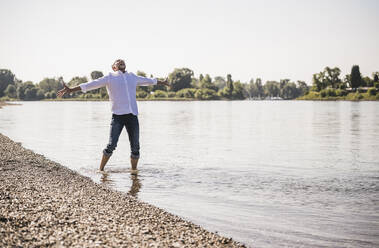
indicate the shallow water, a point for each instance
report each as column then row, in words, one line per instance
column 267, row 173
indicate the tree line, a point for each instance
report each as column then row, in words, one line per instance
column 329, row 83
column 184, row 85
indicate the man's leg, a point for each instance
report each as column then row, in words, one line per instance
column 132, row 126
column 116, row 128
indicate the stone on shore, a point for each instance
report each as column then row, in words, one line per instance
column 43, row 203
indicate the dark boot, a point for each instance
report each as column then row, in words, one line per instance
column 134, row 162
column 104, row 161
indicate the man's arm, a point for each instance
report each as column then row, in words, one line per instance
column 143, row 81
column 95, row 84
column 68, row 90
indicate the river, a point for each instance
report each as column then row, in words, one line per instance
column 266, row 173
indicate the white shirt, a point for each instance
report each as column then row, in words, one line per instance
column 121, row 89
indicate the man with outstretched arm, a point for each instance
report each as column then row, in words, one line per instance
column 121, row 87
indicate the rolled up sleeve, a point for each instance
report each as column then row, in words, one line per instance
column 143, row 81
column 95, row 84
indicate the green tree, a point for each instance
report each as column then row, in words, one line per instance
column 356, row 78
column 31, row 93
column 96, row 75
column 219, row 82
column 282, row 83
column 50, row 84
column 317, row 82
column 272, row 89
column 332, row 77
column 260, row 89
column 40, row 95
column 10, row 91
column 367, row 82
column 302, row 88
column 227, row 92
column 205, row 94
column 251, row 89
column 206, row 83
column 6, row 78
column 180, row 78
column 75, row 81
column 229, row 82
column 375, row 76
column 289, row 91
column 201, row 77
column 21, row 90
column 238, row 91
column 186, row 93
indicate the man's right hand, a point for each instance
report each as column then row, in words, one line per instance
column 63, row 91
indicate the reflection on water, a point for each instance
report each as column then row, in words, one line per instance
column 136, row 185
column 267, row 173
column 135, row 182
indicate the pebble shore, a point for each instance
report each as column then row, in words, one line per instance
column 43, row 203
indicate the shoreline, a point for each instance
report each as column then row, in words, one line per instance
column 302, row 98
column 3, row 103
column 43, row 203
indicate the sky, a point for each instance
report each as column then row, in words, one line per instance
column 269, row 39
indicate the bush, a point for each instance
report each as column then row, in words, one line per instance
column 159, row 94
column 50, row 95
column 40, row 95
column 104, row 95
column 341, row 92
column 206, row 94
column 323, row 93
column 371, row 91
column 186, row 93
column 171, row 94
column 357, row 96
column 376, row 85
column 313, row 94
column 11, row 91
column 88, row 96
column 141, row 94
column 31, row 93
column 5, row 98
column 360, row 90
column 330, row 92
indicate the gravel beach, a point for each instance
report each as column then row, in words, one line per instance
column 43, row 203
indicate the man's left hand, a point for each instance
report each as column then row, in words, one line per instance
column 163, row 82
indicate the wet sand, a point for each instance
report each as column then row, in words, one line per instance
column 43, row 203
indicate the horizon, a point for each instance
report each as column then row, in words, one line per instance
column 271, row 40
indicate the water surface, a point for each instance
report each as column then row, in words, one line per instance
column 267, row 173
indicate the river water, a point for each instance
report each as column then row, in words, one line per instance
column 266, row 173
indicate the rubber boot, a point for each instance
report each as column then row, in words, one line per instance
column 104, row 161
column 134, row 162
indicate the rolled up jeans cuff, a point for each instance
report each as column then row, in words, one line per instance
column 134, row 156
column 108, row 154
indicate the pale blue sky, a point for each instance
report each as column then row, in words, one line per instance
column 271, row 39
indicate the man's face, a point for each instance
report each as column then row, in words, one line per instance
column 119, row 65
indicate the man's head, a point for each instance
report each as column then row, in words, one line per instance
column 119, row 65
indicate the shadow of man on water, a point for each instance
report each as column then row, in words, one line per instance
column 134, row 188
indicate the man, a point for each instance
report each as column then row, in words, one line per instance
column 121, row 87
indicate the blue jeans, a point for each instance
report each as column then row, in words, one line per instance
column 131, row 124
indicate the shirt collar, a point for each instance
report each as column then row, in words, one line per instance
column 120, row 72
